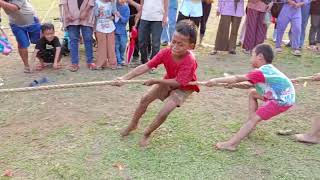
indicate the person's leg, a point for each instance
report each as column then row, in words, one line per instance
column 101, row 50
column 234, row 33
column 172, row 21
column 156, row 29
column 144, row 37
column 296, row 30
column 250, row 35
column 206, row 9
column 311, row 137
column 305, row 13
column 222, row 34
column 118, row 46
column 123, row 46
column 22, row 39
column 87, row 33
column 282, row 23
column 253, row 102
column 247, row 128
column 168, row 107
column 261, row 29
column 74, row 35
column 147, row 98
column 243, row 31
column 313, row 29
column 112, row 60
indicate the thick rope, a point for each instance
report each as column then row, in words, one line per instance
column 103, row 83
column 78, row 85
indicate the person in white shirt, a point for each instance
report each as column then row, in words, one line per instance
column 153, row 17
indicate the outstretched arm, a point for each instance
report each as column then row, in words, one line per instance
column 135, row 72
column 228, row 80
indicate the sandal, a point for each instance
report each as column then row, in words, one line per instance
column 74, row 68
column 27, row 70
column 92, row 66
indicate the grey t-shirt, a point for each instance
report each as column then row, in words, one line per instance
column 24, row 16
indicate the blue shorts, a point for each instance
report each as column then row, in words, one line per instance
column 26, row 34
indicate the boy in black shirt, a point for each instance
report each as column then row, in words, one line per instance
column 48, row 48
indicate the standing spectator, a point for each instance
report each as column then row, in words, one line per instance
column 231, row 13
column 135, row 7
column 24, row 24
column 105, row 11
column 192, row 10
column 256, row 28
column 305, row 13
column 154, row 16
column 206, row 9
column 314, row 35
column 121, row 32
column 290, row 12
column 168, row 30
column 78, row 16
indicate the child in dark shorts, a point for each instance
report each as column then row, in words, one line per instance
column 48, row 48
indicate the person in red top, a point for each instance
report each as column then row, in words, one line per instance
column 180, row 65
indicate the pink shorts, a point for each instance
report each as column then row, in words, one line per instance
column 270, row 109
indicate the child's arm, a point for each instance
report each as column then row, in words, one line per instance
column 124, row 18
column 138, row 16
column 9, row 6
column 57, row 58
column 134, row 73
column 86, row 10
column 165, row 14
column 229, row 80
column 169, row 82
column 136, row 5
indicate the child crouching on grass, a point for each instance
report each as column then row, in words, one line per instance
column 48, row 48
column 180, row 65
column 313, row 136
column 271, row 86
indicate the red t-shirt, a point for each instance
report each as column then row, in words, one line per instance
column 183, row 71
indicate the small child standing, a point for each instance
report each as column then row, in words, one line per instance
column 121, row 32
column 48, row 48
column 105, row 11
column 271, row 86
column 180, row 65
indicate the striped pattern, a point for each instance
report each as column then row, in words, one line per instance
column 256, row 29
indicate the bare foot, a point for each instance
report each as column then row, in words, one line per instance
column 125, row 132
column 225, row 146
column 307, row 138
column 144, row 142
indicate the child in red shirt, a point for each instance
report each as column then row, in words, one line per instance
column 180, row 65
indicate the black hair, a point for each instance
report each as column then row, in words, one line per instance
column 266, row 51
column 189, row 29
column 47, row 26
